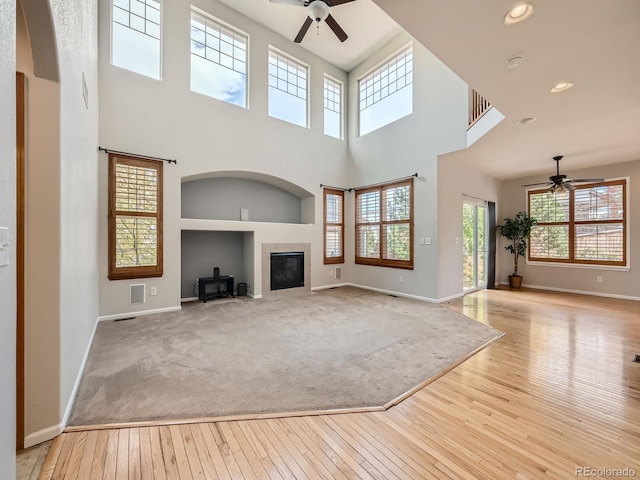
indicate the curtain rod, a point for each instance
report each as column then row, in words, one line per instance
column 475, row 198
column 385, row 183
column 322, row 185
column 106, row 150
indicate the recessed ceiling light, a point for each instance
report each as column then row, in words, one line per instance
column 518, row 14
column 515, row 62
column 561, row 87
column 526, row 120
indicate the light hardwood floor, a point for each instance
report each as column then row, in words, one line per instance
column 557, row 393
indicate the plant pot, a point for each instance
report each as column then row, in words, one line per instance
column 515, row 281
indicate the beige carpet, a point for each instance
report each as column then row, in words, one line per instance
column 339, row 348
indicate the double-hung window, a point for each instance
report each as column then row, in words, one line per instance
column 218, row 60
column 586, row 225
column 384, row 225
column 135, row 36
column 333, row 226
column 288, row 89
column 386, row 93
column 135, row 217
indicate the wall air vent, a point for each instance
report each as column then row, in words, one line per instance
column 136, row 293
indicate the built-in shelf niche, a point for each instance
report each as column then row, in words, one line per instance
column 246, row 199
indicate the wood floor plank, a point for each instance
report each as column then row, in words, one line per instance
column 557, row 392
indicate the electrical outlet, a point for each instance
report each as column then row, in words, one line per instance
column 427, row 241
column 599, row 279
column 401, row 279
column 331, row 272
column 154, row 290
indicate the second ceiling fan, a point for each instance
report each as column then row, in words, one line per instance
column 560, row 183
column 317, row 11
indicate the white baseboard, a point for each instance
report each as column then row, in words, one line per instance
column 255, row 297
column 578, row 292
column 43, row 435
column 397, row 294
column 325, row 287
column 189, row 299
column 451, row 297
column 120, row 316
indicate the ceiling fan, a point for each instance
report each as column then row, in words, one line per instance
column 317, row 10
column 560, row 183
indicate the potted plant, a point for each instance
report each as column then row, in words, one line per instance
column 517, row 230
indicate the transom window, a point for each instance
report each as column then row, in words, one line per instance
column 287, row 89
column 386, row 94
column 136, row 36
column 333, row 226
column 332, row 107
column 384, row 225
column 135, row 217
column 586, row 225
column 218, row 60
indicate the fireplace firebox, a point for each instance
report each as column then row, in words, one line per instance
column 287, row 270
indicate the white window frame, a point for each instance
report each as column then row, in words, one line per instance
column 340, row 103
column 370, row 76
column 299, row 63
column 210, row 18
column 112, row 20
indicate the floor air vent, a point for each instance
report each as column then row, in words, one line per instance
column 636, row 358
column 136, row 293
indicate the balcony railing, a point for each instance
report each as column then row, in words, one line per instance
column 478, row 106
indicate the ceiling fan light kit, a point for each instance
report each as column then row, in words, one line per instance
column 317, row 11
column 560, row 183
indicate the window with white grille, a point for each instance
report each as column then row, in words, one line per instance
column 585, row 225
column 386, row 94
column 287, row 89
column 332, row 107
column 218, row 60
column 135, row 36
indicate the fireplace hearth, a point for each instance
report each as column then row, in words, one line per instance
column 287, row 270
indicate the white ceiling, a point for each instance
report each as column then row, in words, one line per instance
column 593, row 43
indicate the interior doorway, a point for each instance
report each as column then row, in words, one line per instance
column 20, row 215
column 475, row 245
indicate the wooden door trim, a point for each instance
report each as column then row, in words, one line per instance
column 20, row 217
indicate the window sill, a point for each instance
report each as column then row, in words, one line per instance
column 579, row 265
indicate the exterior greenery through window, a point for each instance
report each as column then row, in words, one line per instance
column 384, row 225
column 333, row 226
column 218, row 60
column 287, row 89
column 386, row 93
column 136, row 36
column 135, row 217
column 586, row 225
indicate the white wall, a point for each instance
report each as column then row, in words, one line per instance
column 579, row 279
column 76, row 26
column 409, row 145
column 454, row 182
column 164, row 118
column 7, row 219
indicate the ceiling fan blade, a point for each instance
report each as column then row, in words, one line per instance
column 300, row 3
column 333, row 25
column 333, row 3
column 536, row 184
column 303, row 31
column 585, row 180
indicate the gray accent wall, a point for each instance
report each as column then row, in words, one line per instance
column 222, row 198
column 203, row 250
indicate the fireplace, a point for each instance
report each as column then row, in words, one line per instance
column 287, row 270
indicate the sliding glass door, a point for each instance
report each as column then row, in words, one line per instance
column 475, row 245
